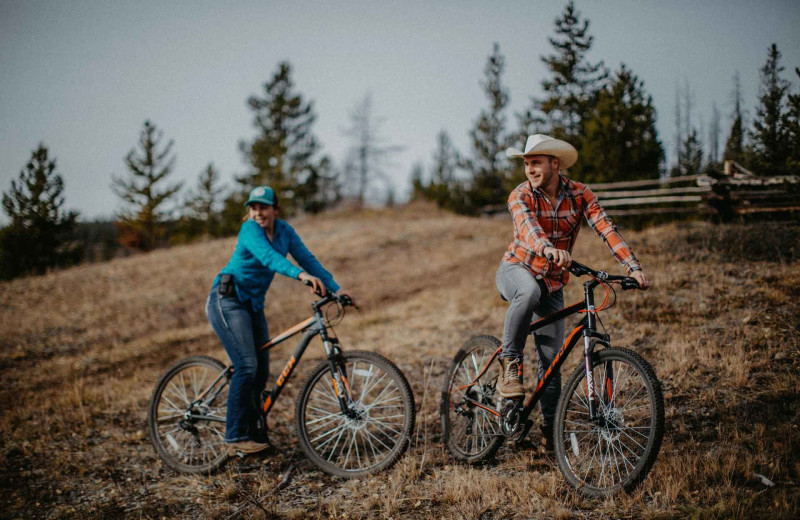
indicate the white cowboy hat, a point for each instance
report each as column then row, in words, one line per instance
column 539, row 144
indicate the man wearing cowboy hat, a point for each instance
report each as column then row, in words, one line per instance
column 547, row 211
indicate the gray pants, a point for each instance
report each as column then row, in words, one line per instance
column 527, row 303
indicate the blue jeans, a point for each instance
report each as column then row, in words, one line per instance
column 241, row 332
column 523, row 292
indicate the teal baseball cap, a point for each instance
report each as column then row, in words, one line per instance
column 262, row 194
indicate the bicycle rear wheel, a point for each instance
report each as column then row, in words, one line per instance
column 376, row 428
column 190, row 388
column 470, row 430
column 615, row 451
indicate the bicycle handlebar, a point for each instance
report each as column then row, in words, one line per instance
column 578, row 269
column 341, row 298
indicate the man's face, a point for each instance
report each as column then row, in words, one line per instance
column 263, row 214
column 540, row 170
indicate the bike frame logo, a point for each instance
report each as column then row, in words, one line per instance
column 286, row 371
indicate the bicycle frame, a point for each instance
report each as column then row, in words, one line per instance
column 312, row 326
column 585, row 329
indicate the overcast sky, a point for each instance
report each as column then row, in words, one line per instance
column 83, row 76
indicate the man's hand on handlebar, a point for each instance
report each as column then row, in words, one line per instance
column 640, row 277
column 558, row 256
column 579, row 269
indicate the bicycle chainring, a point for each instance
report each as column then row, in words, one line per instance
column 509, row 417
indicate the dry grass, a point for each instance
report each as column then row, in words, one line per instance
column 80, row 351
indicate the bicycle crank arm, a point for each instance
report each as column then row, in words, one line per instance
column 526, row 429
column 479, row 405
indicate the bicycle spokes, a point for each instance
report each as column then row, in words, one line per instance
column 373, row 421
column 471, row 406
column 187, row 415
column 606, row 450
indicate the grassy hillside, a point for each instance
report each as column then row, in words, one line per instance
column 81, row 349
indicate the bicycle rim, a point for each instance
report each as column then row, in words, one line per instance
column 375, row 434
column 615, row 451
column 472, row 432
column 190, row 445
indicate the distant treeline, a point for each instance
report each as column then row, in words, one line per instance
column 607, row 115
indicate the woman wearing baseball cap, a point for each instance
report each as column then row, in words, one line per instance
column 235, row 307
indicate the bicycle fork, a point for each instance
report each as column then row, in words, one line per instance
column 590, row 339
column 341, row 386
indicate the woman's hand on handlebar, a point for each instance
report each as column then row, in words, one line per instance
column 640, row 277
column 315, row 283
column 558, row 256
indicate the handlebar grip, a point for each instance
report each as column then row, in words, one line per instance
column 576, row 268
column 629, row 283
column 308, row 283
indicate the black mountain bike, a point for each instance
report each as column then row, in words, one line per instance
column 610, row 417
column 354, row 414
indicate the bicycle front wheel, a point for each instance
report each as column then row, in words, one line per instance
column 470, row 404
column 614, row 451
column 186, row 415
column 372, row 431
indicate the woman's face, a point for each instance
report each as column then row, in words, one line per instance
column 263, row 214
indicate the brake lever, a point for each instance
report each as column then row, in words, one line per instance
column 629, row 283
column 346, row 300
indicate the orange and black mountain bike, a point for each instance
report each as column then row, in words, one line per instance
column 610, row 417
column 354, row 414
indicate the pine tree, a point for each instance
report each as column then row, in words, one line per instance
column 488, row 165
column 691, row 162
column 444, row 188
column 202, row 211
column 141, row 224
column 574, row 79
column 418, row 186
column 40, row 234
column 322, row 188
column 734, row 146
column 445, row 161
column 621, row 140
column 769, row 138
column 792, row 125
column 284, row 154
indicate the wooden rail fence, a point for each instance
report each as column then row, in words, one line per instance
column 726, row 194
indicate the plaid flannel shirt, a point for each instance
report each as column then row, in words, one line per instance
column 538, row 225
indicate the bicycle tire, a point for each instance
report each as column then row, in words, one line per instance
column 356, row 446
column 188, row 446
column 615, row 453
column 471, row 433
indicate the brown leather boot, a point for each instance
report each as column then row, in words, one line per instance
column 510, row 383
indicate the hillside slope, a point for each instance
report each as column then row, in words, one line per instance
column 81, row 349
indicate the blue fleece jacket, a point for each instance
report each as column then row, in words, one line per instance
column 256, row 260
